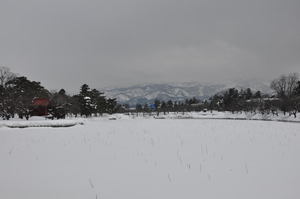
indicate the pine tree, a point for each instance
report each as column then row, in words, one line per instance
column 21, row 93
column 59, row 104
column 85, row 103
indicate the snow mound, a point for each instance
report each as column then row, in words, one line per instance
column 45, row 123
column 230, row 116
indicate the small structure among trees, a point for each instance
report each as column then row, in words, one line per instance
column 40, row 107
column 24, row 98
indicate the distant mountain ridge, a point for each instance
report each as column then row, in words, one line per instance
column 147, row 93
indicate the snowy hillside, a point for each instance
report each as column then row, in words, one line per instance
column 146, row 93
column 152, row 158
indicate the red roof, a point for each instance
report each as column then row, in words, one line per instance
column 40, row 102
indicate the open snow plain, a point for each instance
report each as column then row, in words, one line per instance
column 152, row 159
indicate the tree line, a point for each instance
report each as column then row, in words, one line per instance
column 17, row 94
column 285, row 98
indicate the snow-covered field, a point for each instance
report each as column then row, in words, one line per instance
column 152, row 159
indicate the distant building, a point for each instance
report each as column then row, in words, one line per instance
column 152, row 106
column 40, row 106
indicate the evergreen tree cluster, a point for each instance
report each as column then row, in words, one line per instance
column 16, row 97
column 92, row 102
column 18, row 93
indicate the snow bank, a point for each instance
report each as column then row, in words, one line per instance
column 39, row 123
column 69, row 122
column 229, row 116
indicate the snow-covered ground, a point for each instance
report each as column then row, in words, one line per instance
column 147, row 158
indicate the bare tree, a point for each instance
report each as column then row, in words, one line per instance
column 6, row 75
column 284, row 86
column 292, row 81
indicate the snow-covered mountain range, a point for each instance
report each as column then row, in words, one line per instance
column 147, row 93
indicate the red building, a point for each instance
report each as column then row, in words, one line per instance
column 40, row 106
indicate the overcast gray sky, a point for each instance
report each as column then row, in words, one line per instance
column 64, row 43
